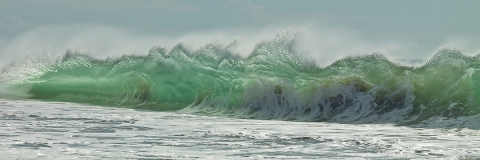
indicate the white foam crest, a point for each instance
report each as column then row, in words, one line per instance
column 314, row 42
column 272, row 99
column 398, row 113
column 53, row 41
column 351, row 104
column 267, row 98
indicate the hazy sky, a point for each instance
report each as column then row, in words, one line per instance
column 432, row 16
column 413, row 28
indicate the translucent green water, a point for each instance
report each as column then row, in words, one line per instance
column 273, row 83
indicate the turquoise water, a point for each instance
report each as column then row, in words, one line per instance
column 274, row 82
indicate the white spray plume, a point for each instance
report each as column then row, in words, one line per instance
column 322, row 44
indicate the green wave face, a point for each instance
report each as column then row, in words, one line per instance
column 273, row 83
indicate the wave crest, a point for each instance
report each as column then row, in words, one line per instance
column 273, row 83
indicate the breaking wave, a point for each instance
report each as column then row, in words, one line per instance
column 274, row 82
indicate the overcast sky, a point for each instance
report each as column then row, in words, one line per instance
column 433, row 16
column 419, row 26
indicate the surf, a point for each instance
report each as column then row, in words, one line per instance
column 274, row 82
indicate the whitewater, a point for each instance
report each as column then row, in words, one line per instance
column 276, row 102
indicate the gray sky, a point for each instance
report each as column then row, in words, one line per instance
column 402, row 29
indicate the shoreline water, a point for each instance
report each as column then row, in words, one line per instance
column 46, row 130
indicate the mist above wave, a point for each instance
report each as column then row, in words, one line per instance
column 248, row 76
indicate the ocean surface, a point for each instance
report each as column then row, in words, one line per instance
column 210, row 103
column 52, row 130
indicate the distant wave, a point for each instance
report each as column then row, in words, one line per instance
column 272, row 83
